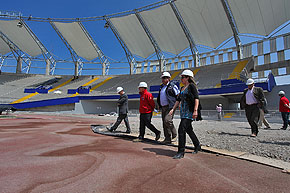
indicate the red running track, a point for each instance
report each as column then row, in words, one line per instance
column 61, row 154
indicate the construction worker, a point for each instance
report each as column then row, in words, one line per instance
column 146, row 109
column 166, row 99
column 123, row 110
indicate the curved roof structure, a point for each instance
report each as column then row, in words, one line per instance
column 4, row 48
column 20, row 36
column 171, row 26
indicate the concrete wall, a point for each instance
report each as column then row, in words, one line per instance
column 273, row 97
column 95, row 107
column 54, row 108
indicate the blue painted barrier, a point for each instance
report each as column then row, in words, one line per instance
column 43, row 103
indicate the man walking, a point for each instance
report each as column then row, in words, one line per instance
column 252, row 101
column 146, row 109
column 284, row 108
column 123, row 110
column 166, row 99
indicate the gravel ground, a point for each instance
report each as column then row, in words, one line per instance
column 231, row 135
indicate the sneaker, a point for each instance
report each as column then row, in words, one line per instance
column 165, row 142
column 283, row 128
column 174, row 139
column 128, row 131
column 253, row 135
column 268, row 127
column 157, row 136
column 109, row 129
column 138, row 140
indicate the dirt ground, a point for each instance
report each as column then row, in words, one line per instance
column 46, row 153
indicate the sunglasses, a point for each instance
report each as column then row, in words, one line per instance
column 182, row 77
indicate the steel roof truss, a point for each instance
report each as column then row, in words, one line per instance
column 234, row 27
column 159, row 53
column 104, row 60
column 76, row 59
column 131, row 59
column 187, row 33
column 17, row 53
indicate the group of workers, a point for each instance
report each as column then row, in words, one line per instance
column 169, row 99
column 187, row 98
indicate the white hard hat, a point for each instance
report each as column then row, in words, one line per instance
column 250, row 81
column 220, row 105
column 119, row 89
column 187, row 73
column 165, row 74
column 281, row 92
column 143, row 85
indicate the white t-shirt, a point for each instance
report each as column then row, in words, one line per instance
column 250, row 98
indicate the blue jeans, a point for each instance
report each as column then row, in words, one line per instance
column 285, row 117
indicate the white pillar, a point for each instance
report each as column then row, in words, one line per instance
column 47, row 70
column 19, row 65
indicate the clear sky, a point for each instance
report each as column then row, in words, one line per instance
column 79, row 9
column 75, row 9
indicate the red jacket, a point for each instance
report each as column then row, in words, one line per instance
column 283, row 101
column 147, row 103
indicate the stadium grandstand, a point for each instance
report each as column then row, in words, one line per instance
column 212, row 38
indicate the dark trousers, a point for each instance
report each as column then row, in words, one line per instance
column 186, row 127
column 253, row 115
column 168, row 126
column 145, row 120
column 285, row 117
column 120, row 118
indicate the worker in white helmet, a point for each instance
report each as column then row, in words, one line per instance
column 252, row 101
column 146, row 109
column 189, row 101
column 123, row 110
column 166, row 99
column 284, row 108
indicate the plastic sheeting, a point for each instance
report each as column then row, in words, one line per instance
column 259, row 16
column 206, row 20
column 77, row 39
column 20, row 36
column 166, row 29
column 4, row 48
column 133, row 34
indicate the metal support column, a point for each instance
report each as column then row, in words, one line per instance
column 187, row 33
column 73, row 54
column 104, row 60
column 159, row 54
column 17, row 53
column 46, row 54
column 234, row 28
column 131, row 59
column 2, row 59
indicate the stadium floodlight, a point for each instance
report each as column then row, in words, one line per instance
column 20, row 24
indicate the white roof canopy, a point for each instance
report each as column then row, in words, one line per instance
column 166, row 29
column 78, row 39
column 206, row 20
column 4, row 48
column 260, row 16
column 20, row 36
column 133, row 34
